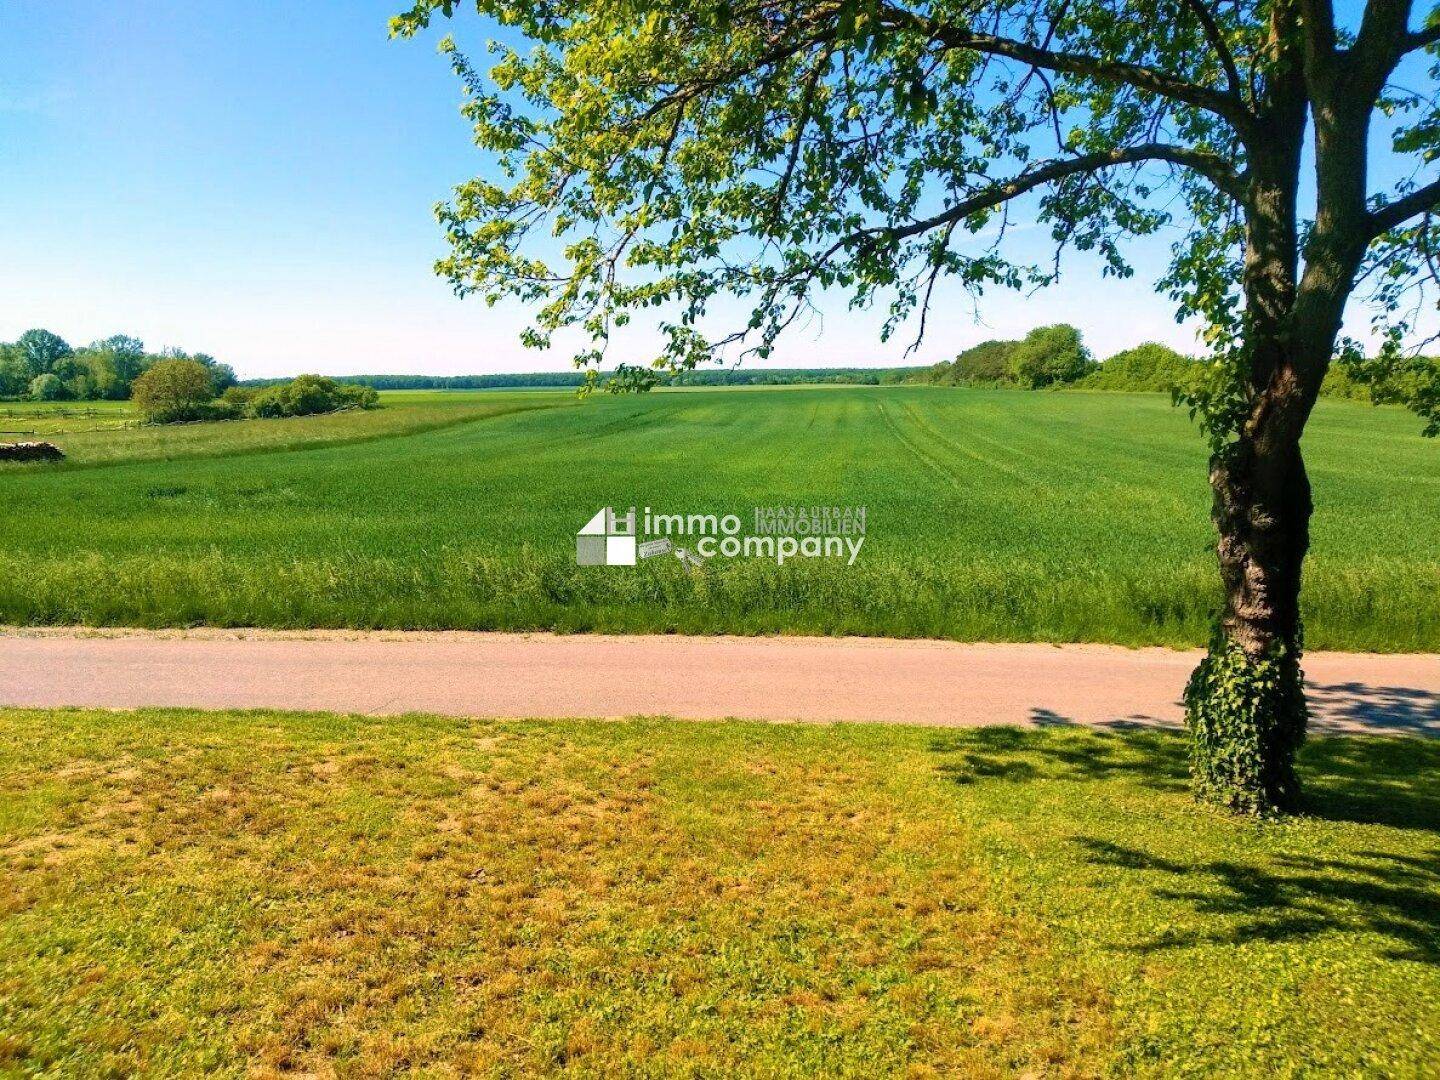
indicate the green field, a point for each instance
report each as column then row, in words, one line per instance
column 250, row 894
column 990, row 515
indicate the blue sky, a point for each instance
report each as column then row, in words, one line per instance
column 255, row 180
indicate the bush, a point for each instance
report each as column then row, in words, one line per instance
column 239, row 395
column 308, row 395
column 1247, row 720
column 177, row 390
column 48, row 387
column 1150, row 366
column 1050, row 356
column 171, row 391
column 220, row 410
column 1413, row 381
column 360, row 397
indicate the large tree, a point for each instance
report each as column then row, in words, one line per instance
column 658, row 154
column 42, row 350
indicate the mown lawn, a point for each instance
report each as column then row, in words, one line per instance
column 991, row 515
column 261, row 893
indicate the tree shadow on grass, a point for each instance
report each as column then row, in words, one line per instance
column 1048, row 718
column 1294, row 897
column 1367, row 779
column 1152, row 758
column 1373, row 780
column 1256, row 895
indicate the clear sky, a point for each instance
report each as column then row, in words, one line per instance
column 256, row 180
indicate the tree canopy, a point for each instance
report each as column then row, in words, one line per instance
column 42, row 349
column 173, row 389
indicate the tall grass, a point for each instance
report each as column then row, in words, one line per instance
column 991, row 515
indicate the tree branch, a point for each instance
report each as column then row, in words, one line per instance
column 807, row 104
column 1380, row 42
column 1212, row 167
column 1227, row 105
column 1392, row 215
column 1217, row 41
column 1422, row 39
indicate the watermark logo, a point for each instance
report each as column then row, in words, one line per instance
column 779, row 533
column 607, row 540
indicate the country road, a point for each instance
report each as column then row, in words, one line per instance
column 545, row 675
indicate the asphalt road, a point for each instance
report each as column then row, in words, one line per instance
column 544, row 675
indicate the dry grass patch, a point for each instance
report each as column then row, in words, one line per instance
column 264, row 894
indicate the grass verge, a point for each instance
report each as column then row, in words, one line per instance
column 262, row 893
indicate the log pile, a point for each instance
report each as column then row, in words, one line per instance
column 30, row 451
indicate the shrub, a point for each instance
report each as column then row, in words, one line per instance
column 1050, row 356
column 1247, row 717
column 307, row 395
column 48, row 387
column 1150, row 366
column 360, row 397
column 220, row 410
column 174, row 390
column 239, row 395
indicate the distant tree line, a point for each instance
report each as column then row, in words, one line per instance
column 1056, row 357
column 538, row 379
column 543, row 379
column 42, row 366
column 795, row 376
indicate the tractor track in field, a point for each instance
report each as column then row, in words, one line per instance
column 919, row 454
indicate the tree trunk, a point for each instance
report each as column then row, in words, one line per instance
column 1246, row 701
